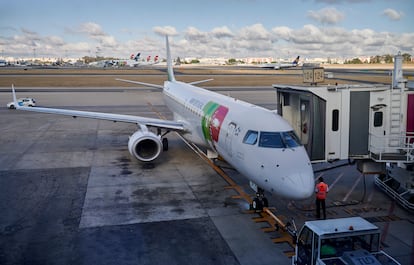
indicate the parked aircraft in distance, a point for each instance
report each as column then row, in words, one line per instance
column 133, row 61
column 280, row 65
column 256, row 141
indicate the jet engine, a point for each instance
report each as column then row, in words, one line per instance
column 145, row 145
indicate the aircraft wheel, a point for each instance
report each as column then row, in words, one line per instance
column 165, row 144
column 256, row 205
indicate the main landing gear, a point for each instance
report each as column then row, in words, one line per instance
column 164, row 139
column 260, row 201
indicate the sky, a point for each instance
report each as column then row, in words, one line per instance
column 210, row 28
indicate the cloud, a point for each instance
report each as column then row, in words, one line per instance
column 94, row 31
column 254, row 32
column 311, row 40
column 328, row 15
column 222, row 32
column 91, row 28
column 392, row 14
column 167, row 30
column 193, row 34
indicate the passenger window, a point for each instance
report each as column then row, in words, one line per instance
column 250, row 137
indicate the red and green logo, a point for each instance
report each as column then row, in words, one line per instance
column 214, row 115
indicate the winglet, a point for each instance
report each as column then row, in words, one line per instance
column 14, row 97
column 169, row 61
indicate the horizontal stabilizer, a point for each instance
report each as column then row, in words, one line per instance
column 140, row 83
column 201, row 81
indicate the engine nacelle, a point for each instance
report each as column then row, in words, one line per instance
column 145, row 145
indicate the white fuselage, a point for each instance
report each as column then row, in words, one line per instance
column 223, row 124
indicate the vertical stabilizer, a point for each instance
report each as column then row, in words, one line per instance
column 296, row 61
column 14, row 96
column 169, row 61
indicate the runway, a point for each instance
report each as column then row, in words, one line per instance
column 72, row 194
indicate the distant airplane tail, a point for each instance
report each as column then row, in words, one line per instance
column 296, row 61
column 156, row 59
column 136, row 58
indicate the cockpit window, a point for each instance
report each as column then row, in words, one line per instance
column 279, row 139
column 271, row 139
column 291, row 139
column 250, row 137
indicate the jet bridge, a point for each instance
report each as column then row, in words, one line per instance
column 373, row 124
column 351, row 121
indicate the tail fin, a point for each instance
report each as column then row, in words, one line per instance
column 296, row 61
column 148, row 58
column 136, row 58
column 169, row 61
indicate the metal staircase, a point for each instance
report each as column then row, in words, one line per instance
column 395, row 119
column 398, row 145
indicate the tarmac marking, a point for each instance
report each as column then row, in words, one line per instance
column 352, row 189
column 336, row 180
column 320, row 175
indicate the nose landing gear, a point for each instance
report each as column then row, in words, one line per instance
column 260, row 201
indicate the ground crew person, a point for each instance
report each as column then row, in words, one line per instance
column 321, row 190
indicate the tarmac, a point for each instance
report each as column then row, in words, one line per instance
column 70, row 193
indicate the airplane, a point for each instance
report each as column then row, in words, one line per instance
column 255, row 141
column 279, row 65
column 148, row 61
column 132, row 62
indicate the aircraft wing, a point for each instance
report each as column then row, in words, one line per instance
column 152, row 122
column 166, row 124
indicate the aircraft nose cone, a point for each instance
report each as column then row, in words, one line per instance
column 301, row 184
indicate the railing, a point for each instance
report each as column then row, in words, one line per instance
column 381, row 151
column 398, row 193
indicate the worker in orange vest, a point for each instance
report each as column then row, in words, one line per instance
column 321, row 190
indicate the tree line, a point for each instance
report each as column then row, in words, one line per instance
column 387, row 58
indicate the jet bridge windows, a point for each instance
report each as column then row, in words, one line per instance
column 378, row 118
